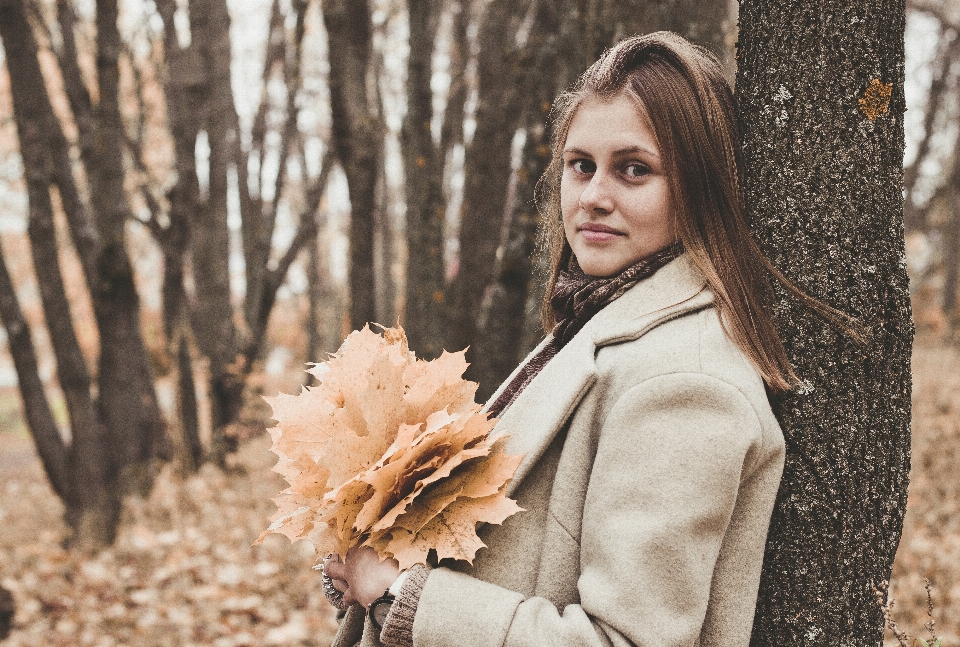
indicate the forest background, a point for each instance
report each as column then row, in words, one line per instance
column 246, row 133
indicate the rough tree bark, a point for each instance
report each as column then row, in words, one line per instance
column 823, row 145
column 357, row 138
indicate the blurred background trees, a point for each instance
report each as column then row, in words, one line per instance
column 383, row 152
column 931, row 176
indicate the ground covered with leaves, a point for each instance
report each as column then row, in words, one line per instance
column 931, row 536
column 183, row 571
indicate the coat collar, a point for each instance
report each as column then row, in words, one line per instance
column 540, row 411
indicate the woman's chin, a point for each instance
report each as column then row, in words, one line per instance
column 600, row 262
column 604, row 268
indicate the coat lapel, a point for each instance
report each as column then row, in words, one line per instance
column 541, row 410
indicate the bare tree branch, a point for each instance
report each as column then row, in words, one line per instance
column 77, row 93
column 273, row 279
column 36, row 408
column 307, row 228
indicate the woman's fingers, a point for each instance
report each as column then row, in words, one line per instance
column 348, row 598
column 333, row 567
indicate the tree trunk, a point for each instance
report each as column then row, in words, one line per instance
column 951, row 253
column 824, row 155
column 256, row 237
column 557, row 47
column 315, row 287
column 502, row 68
column 183, row 90
column 43, row 428
column 915, row 218
column 501, row 335
column 384, row 251
column 260, row 222
column 423, row 167
column 7, row 611
column 704, row 23
column 325, row 305
column 94, row 477
column 81, row 104
column 357, row 138
column 451, row 130
column 127, row 401
column 86, row 474
column 210, row 235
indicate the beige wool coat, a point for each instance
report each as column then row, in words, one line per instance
column 652, row 461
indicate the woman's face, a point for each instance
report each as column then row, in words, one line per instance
column 614, row 196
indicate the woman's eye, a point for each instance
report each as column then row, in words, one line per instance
column 636, row 170
column 583, row 166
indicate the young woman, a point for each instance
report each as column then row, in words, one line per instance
column 652, row 458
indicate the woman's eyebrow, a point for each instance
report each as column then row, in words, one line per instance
column 620, row 152
column 630, row 150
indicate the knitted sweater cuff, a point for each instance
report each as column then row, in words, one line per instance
column 398, row 627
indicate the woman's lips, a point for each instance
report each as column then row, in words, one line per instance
column 597, row 233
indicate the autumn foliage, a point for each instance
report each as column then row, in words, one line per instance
column 389, row 452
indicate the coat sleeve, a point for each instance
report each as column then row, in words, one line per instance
column 670, row 457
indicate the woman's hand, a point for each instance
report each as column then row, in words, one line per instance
column 362, row 577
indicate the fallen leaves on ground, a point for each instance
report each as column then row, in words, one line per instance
column 930, row 546
column 391, row 452
column 182, row 572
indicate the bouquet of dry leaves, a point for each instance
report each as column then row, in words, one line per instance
column 390, row 452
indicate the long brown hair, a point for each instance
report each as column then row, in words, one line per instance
column 680, row 88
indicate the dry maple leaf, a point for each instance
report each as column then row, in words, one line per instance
column 390, row 452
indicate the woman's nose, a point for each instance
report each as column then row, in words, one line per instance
column 596, row 196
